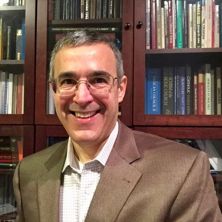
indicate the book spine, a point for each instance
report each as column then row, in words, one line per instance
column 218, row 90
column 153, row 90
column 158, row 23
column 190, row 26
column 189, row 90
column 148, row 24
column 153, row 25
column 179, row 24
column 203, row 24
column 194, row 21
column 200, row 94
column 208, row 89
column 170, row 24
column 167, row 91
column 220, row 23
column 198, row 24
column 195, row 93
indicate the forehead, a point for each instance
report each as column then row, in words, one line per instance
column 94, row 51
column 86, row 58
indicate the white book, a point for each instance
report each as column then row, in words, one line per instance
column 3, row 79
column 203, row 24
column 216, row 27
column 208, row 90
column 190, row 26
column 148, row 24
column 9, row 93
column 194, row 21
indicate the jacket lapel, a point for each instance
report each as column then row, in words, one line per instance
column 117, row 181
column 49, row 185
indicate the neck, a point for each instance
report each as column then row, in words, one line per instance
column 86, row 153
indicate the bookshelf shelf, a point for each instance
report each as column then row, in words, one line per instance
column 15, row 66
column 101, row 23
column 184, row 51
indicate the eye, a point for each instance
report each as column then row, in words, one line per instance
column 100, row 80
column 68, row 82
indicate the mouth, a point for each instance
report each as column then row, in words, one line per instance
column 84, row 115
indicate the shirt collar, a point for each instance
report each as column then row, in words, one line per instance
column 102, row 156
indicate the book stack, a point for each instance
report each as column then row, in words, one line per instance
column 12, row 39
column 183, row 24
column 87, row 9
column 183, row 90
column 11, row 93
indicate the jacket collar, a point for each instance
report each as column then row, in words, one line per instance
column 117, row 181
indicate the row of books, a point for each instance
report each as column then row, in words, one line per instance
column 12, row 39
column 183, row 24
column 87, row 9
column 11, row 93
column 11, row 152
column 183, row 90
column 12, row 3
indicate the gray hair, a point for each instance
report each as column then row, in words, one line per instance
column 86, row 37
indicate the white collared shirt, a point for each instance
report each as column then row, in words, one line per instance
column 80, row 181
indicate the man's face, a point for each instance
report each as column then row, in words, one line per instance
column 87, row 118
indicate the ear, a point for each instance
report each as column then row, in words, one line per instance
column 122, row 88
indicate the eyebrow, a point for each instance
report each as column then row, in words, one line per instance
column 74, row 74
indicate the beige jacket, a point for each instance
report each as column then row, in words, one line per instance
column 146, row 179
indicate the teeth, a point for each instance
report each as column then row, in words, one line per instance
column 84, row 115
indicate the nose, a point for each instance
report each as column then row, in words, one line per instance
column 82, row 94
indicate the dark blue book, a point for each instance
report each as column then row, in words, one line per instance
column 153, row 91
column 180, row 90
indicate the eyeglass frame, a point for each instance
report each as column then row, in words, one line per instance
column 56, row 89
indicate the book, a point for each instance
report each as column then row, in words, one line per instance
column 195, row 93
column 168, row 90
column 188, row 89
column 170, row 24
column 179, row 23
column 9, row 93
column 218, row 91
column 148, row 23
column 180, row 74
column 20, row 95
column 153, row 91
column 18, row 44
column 99, row 9
column 200, row 93
column 198, row 24
column 190, row 25
column 3, row 95
column 208, row 89
column 1, row 38
column 203, row 24
column 153, row 25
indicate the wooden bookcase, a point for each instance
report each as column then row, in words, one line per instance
column 36, row 126
column 16, row 124
column 26, row 66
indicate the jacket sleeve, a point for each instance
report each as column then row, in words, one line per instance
column 19, row 216
column 197, row 200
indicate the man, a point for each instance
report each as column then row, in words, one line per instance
column 105, row 171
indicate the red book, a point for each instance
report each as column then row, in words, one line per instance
column 153, row 25
column 200, row 94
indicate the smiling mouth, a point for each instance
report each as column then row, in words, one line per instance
column 84, row 115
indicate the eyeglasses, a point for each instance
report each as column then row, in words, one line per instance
column 98, row 84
